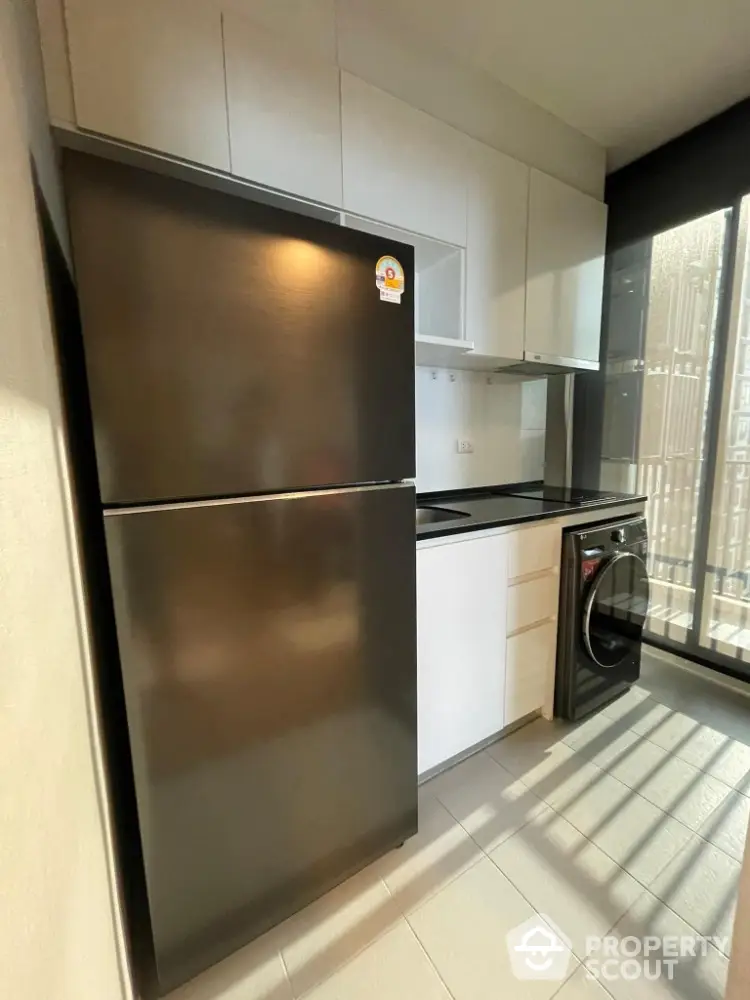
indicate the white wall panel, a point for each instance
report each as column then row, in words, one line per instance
column 487, row 410
column 60, row 930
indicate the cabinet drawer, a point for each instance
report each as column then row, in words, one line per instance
column 530, row 665
column 532, row 550
column 532, row 601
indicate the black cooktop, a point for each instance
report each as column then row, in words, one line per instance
column 573, row 495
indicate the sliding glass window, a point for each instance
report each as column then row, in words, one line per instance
column 725, row 612
column 676, row 425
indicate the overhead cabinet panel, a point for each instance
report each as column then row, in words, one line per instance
column 401, row 166
column 151, row 72
column 565, row 272
column 284, row 112
column 498, row 192
column 309, row 23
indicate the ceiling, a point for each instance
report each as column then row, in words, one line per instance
column 630, row 74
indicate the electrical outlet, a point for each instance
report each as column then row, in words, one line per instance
column 464, row 447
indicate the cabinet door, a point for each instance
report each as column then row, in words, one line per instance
column 309, row 23
column 498, row 191
column 284, row 112
column 461, row 628
column 530, row 669
column 151, row 72
column 401, row 166
column 565, row 271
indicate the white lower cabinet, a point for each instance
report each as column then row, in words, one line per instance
column 487, row 608
column 529, row 669
column 461, row 621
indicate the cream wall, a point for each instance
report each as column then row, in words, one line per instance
column 58, row 935
column 738, row 984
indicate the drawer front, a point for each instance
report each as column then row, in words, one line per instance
column 532, row 601
column 530, row 666
column 532, row 550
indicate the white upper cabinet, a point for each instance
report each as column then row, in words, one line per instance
column 151, row 72
column 498, row 192
column 565, row 272
column 284, row 112
column 402, row 166
column 310, row 24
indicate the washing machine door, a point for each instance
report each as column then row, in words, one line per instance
column 615, row 610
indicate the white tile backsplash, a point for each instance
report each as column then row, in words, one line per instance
column 502, row 416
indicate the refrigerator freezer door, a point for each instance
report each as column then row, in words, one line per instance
column 268, row 652
column 234, row 348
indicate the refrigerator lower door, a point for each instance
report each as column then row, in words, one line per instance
column 268, row 653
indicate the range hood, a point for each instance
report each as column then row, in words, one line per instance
column 548, row 364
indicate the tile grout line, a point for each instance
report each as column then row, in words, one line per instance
column 286, row 972
column 634, row 791
column 360, row 951
column 644, row 736
column 419, row 942
column 567, row 979
column 644, row 887
column 429, row 959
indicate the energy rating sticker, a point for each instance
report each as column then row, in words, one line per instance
column 389, row 277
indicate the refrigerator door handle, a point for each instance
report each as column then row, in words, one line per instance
column 261, row 498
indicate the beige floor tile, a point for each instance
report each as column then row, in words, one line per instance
column 394, row 968
column 253, row 973
column 564, row 876
column 707, row 697
column 463, row 930
column 633, row 832
column 597, row 730
column 607, row 743
column 528, row 749
column 580, row 987
column 648, row 715
column 428, row 861
column 334, row 929
column 629, row 705
column 679, row 788
column 556, row 774
column 727, row 827
column 702, row 977
column 700, row 885
column 486, row 799
column 702, row 746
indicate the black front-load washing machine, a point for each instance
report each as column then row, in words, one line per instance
column 604, row 593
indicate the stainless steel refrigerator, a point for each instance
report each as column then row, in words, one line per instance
column 251, row 384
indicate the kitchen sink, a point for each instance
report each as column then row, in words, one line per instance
column 431, row 515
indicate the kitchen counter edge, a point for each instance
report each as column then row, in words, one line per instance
column 544, row 510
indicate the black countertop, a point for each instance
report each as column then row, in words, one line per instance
column 492, row 509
